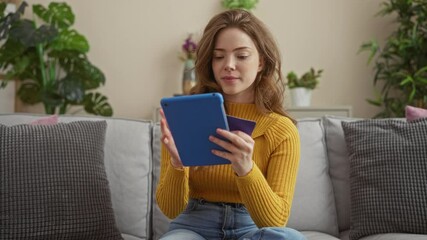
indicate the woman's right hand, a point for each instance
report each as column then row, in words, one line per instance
column 167, row 139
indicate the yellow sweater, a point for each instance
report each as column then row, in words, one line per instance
column 266, row 191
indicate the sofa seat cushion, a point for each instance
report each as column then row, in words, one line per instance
column 388, row 176
column 345, row 235
column 53, row 182
column 396, row 236
column 387, row 236
column 131, row 237
column 313, row 235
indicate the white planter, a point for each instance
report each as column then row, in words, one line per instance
column 301, row 97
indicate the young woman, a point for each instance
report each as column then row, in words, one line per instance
column 250, row 198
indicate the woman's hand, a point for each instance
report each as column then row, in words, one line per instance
column 167, row 139
column 240, row 150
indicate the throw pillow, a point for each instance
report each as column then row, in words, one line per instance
column 414, row 113
column 53, row 182
column 49, row 120
column 388, row 176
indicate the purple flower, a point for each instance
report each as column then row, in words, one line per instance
column 189, row 48
column 189, row 45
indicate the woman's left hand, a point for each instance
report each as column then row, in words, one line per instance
column 240, row 150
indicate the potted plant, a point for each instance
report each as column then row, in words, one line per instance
column 243, row 4
column 401, row 64
column 188, row 56
column 301, row 87
column 48, row 59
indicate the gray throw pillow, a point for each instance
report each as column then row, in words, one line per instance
column 53, row 183
column 388, row 176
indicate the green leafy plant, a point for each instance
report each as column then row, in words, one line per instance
column 308, row 80
column 49, row 60
column 244, row 4
column 401, row 64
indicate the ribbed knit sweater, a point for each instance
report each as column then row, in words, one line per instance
column 266, row 191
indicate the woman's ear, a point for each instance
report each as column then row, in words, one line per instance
column 261, row 64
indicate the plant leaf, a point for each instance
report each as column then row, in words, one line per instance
column 407, row 80
column 11, row 18
column 97, row 104
column 20, row 66
column 422, row 80
column 3, row 83
column 91, row 76
column 374, row 102
column 29, row 92
column 25, row 32
column 245, row 4
column 421, row 71
column 50, row 99
column 70, row 40
column 71, row 88
column 59, row 15
column 9, row 51
column 2, row 8
column 412, row 94
column 371, row 46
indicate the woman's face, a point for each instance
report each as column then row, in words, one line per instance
column 235, row 65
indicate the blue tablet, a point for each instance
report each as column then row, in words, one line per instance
column 192, row 119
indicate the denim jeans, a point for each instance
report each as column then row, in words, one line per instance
column 203, row 220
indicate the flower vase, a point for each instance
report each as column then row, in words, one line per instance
column 301, row 97
column 189, row 77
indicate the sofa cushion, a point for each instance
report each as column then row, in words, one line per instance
column 313, row 206
column 53, row 182
column 128, row 166
column 160, row 221
column 414, row 113
column 388, row 176
column 339, row 167
column 49, row 120
column 312, row 235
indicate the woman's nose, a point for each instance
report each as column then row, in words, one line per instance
column 230, row 64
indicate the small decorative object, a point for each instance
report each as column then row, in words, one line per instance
column 302, row 87
column 188, row 56
column 243, row 4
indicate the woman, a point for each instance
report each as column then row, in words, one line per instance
column 251, row 197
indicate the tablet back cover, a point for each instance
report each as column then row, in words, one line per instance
column 192, row 119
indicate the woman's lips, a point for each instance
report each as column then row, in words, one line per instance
column 229, row 78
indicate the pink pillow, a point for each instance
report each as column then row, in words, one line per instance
column 414, row 113
column 50, row 120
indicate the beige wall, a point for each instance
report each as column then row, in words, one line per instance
column 136, row 43
column 7, row 101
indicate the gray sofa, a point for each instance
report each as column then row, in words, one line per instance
column 320, row 210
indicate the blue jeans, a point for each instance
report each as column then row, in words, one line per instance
column 203, row 220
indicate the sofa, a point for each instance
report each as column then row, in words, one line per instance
column 321, row 208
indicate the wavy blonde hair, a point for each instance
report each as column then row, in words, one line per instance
column 269, row 85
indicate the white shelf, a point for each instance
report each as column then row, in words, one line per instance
column 304, row 112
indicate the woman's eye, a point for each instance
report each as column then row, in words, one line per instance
column 243, row 57
column 218, row 57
